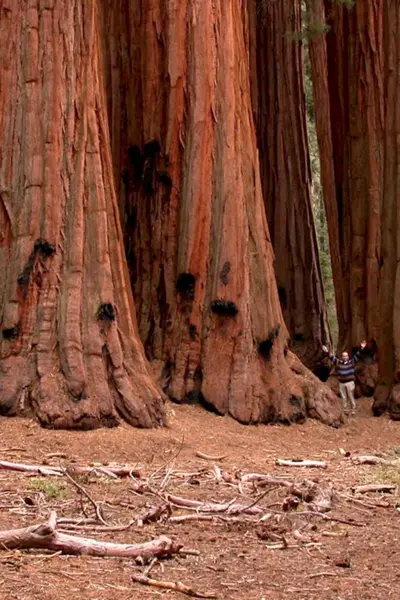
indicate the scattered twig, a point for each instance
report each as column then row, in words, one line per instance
column 177, row 586
column 371, row 460
column 150, row 566
column 95, row 505
column 321, row 464
column 210, row 457
column 374, row 487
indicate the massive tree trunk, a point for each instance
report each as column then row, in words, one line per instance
column 388, row 391
column 70, row 347
column 280, row 116
column 199, row 252
column 319, row 74
column 355, row 67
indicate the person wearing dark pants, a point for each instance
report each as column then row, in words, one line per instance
column 345, row 371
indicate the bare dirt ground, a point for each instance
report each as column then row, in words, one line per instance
column 240, row 559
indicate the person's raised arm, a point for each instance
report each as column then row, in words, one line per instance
column 331, row 356
column 357, row 355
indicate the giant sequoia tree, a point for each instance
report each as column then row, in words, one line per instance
column 347, row 77
column 151, row 99
column 280, row 117
column 69, row 343
column 388, row 389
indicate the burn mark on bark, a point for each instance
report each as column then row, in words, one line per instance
column 282, row 297
column 185, row 285
column 298, row 337
column 136, row 162
column 125, row 178
column 265, row 347
column 148, row 177
column 106, row 312
column 11, row 333
column 296, row 400
column 41, row 248
column 224, row 308
column 152, row 149
column 192, row 332
column 225, row 272
column 164, row 178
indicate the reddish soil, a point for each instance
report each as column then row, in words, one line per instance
column 234, row 562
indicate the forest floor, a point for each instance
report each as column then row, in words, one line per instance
column 352, row 552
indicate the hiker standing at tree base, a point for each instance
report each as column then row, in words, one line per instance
column 345, row 371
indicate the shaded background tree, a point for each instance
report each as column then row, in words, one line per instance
column 278, row 97
column 388, row 390
column 348, row 87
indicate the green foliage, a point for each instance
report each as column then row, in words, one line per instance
column 51, row 489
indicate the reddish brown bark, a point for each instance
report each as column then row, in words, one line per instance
column 319, row 73
column 69, row 346
column 388, row 390
column 280, row 116
column 355, row 67
column 193, row 210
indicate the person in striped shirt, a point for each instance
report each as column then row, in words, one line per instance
column 345, row 371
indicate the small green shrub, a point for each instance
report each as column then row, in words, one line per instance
column 51, row 489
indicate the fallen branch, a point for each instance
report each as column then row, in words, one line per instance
column 209, row 457
column 45, row 536
column 374, row 487
column 118, row 471
column 177, row 586
column 371, row 460
column 230, row 507
column 321, row 464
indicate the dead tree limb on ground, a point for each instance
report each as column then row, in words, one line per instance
column 99, row 470
column 293, row 462
column 45, row 536
column 374, row 487
column 210, row 457
column 372, row 460
column 177, row 586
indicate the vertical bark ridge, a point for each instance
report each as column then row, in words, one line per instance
column 71, row 362
column 280, row 116
column 216, row 329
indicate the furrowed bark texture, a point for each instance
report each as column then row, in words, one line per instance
column 280, row 116
column 322, row 114
column 70, row 347
column 355, row 68
column 200, row 257
column 387, row 394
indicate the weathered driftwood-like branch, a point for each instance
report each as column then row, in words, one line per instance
column 45, row 536
column 230, row 507
column 321, row 464
column 372, row 460
column 374, row 487
column 210, row 457
column 177, row 586
column 111, row 471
